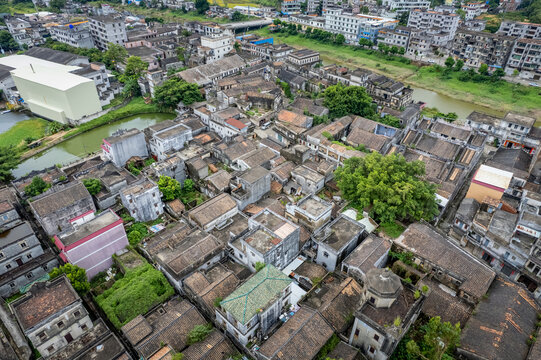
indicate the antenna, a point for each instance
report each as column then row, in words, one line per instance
column 31, row 67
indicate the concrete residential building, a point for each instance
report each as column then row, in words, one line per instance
column 107, row 29
column 168, row 137
column 216, row 47
column 311, row 212
column 474, row 9
column 520, row 29
column 256, row 305
column 356, row 26
column 406, row 5
column 76, row 35
column 476, row 48
column 370, row 254
column 92, row 244
column 272, row 239
column 62, row 206
column 251, row 186
column 52, row 91
column 526, row 58
column 309, row 180
column 443, row 22
column 291, row 7
column 142, row 200
column 22, row 259
column 51, row 315
column 303, row 57
column 124, row 144
column 337, row 240
column 399, row 36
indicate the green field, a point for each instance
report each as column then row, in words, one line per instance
column 501, row 95
column 30, row 128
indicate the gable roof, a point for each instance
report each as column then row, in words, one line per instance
column 59, row 198
column 365, row 256
column 256, row 293
column 59, row 57
column 212, row 209
column 501, row 324
column 425, row 242
column 304, row 333
column 214, row 347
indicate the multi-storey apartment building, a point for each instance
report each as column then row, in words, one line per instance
column 291, row 7
column 215, row 47
column 476, row 48
column 443, row 21
column 526, row 58
column 107, row 29
column 406, row 5
column 356, row 26
column 76, row 35
column 520, row 29
column 474, row 9
column 399, row 36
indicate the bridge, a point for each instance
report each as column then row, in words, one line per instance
column 247, row 25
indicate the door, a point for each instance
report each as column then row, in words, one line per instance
column 68, row 337
column 19, row 262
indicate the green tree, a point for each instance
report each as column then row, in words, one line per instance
column 180, row 53
column 498, row 73
column 57, row 5
column 391, row 186
column 459, row 65
column 169, row 187
column 461, row 13
column 135, row 67
column 9, row 159
column 237, row 46
column 449, row 62
column 7, row 42
column 115, row 54
column 344, row 100
column 135, row 237
column 175, row 90
column 92, row 185
column 76, row 276
column 198, row 333
column 304, row 5
column 439, row 338
column 483, row 69
column 131, row 87
column 36, row 187
column 403, row 19
column 339, row 39
column 237, row 16
column 202, row 6
column 188, row 185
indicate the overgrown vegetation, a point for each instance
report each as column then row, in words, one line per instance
column 392, row 229
column 92, row 185
column 175, row 90
column 18, row 134
column 138, row 291
column 36, row 187
column 198, row 333
column 136, row 232
column 328, row 347
column 391, row 187
column 76, row 276
column 9, row 159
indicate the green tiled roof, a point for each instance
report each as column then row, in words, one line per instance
column 256, row 293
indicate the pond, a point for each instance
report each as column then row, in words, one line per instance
column 88, row 142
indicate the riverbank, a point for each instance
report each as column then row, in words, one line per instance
column 503, row 96
column 33, row 128
column 136, row 106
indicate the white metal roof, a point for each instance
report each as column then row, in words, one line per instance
column 492, row 176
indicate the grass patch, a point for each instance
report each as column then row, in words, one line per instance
column 20, row 8
column 392, row 229
column 135, row 107
column 136, row 293
column 31, row 128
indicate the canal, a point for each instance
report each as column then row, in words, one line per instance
column 81, row 145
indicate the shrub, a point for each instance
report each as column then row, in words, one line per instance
column 138, row 291
column 92, row 185
column 259, row 266
column 36, row 187
column 198, row 333
column 76, row 276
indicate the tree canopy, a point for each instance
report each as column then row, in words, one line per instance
column 344, row 100
column 391, row 186
column 115, row 53
column 438, row 339
column 36, row 187
column 9, row 159
column 202, row 6
column 175, row 90
column 76, row 276
column 169, row 187
column 92, row 185
column 7, row 42
column 135, row 67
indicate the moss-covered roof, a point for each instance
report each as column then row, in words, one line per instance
column 256, row 293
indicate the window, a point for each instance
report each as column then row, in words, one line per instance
column 77, row 313
column 29, row 275
column 60, row 324
column 29, row 256
column 372, row 300
column 12, row 285
column 42, row 335
column 8, row 266
column 357, row 332
column 372, row 350
column 1, row 255
column 376, row 337
column 326, row 254
column 50, row 349
column 23, row 244
column 84, row 327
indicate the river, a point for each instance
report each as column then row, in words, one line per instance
column 76, row 148
column 81, row 145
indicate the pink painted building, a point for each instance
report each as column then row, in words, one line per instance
column 90, row 245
